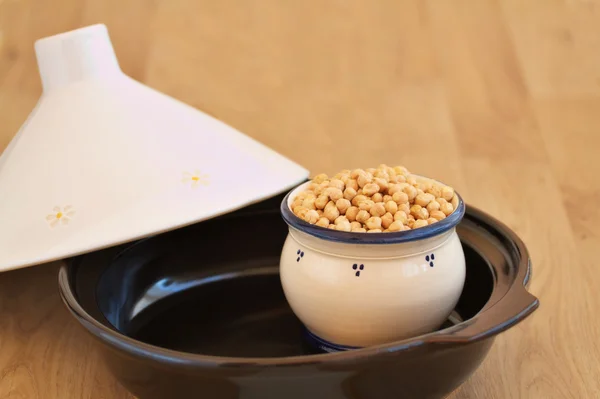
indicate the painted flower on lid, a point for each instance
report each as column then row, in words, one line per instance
column 60, row 215
column 195, row 179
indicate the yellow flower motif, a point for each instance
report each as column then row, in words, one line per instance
column 60, row 215
column 195, row 179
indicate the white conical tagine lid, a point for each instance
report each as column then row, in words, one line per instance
column 103, row 160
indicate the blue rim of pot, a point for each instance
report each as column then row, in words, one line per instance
column 347, row 237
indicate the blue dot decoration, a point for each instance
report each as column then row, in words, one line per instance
column 300, row 255
column 358, row 268
column 430, row 259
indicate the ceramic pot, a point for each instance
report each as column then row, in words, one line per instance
column 355, row 289
column 181, row 312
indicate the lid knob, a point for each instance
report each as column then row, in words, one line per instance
column 76, row 55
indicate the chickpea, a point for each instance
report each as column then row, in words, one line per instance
column 432, row 220
column 358, row 199
column 364, row 179
column 351, row 213
column 391, row 207
column 420, row 223
column 320, row 212
column 400, row 198
column 411, row 192
column 447, row 208
column 396, row 226
column 401, row 170
column 435, row 190
column 382, row 183
column 425, row 185
column 419, row 212
column 312, row 186
column 311, row 216
column 400, row 179
column 439, row 215
column 352, row 183
column 320, row 178
column 370, row 189
column 337, row 184
column 387, row 220
column 332, row 226
column 396, row 188
column 309, row 203
column 387, row 198
column 362, row 216
column 424, row 199
column 373, row 223
column 321, row 201
column 420, row 191
column 349, row 193
column 359, row 230
column 322, row 187
column 433, row 206
column 393, row 188
column 342, row 205
column 441, row 201
column 296, row 203
column 401, row 217
column 366, row 205
column 334, row 193
column 378, row 209
column 377, row 197
column 301, row 212
column 371, row 170
column 329, row 204
column 331, row 213
column 405, row 208
column 355, row 225
column 381, row 173
column 374, row 231
column 344, row 226
column 302, row 195
column 447, row 193
column 356, row 172
column 341, row 219
column 323, row 222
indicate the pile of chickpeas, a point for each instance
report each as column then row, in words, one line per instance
column 374, row 200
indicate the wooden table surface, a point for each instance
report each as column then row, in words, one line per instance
column 499, row 98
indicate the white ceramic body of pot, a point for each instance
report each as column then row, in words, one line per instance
column 360, row 295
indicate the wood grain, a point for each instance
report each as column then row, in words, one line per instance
column 499, row 98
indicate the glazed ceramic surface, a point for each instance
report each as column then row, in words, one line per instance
column 391, row 286
column 104, row 159
column 181, row 312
